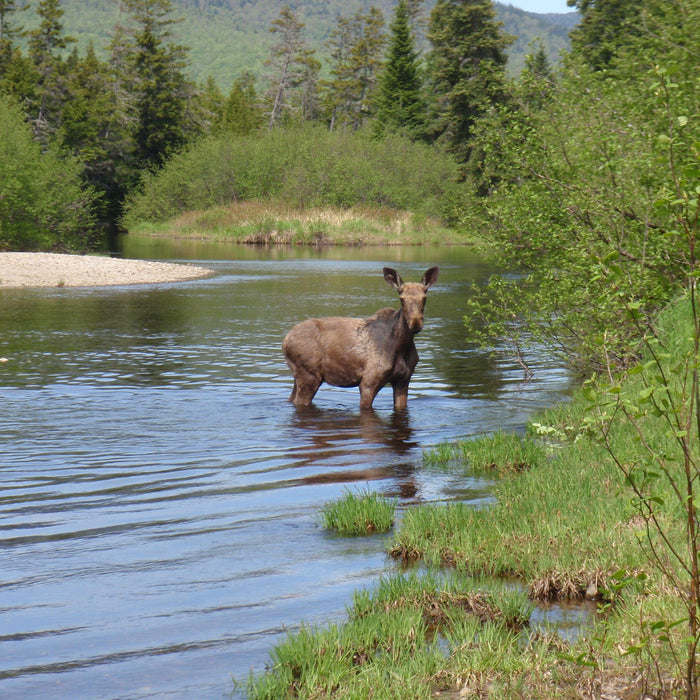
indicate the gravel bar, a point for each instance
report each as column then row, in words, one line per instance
column 56, row 270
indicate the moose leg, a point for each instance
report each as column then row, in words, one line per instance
column 368, row 391
column 400, row 396
column 306, row 385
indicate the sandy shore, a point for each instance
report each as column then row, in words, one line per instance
column 53, row 270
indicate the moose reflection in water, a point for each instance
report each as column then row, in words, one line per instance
column 368, row 353
column 347, row 448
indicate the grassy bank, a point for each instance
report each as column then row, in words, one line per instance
column 275, row 223
column 566, row 524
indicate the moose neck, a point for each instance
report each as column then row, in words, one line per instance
column 402, row 331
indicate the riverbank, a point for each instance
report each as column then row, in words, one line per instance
column 274, row 223
column 589, row 507
column 59, row 270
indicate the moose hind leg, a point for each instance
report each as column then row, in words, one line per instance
column 306, row 385
column 368, row 392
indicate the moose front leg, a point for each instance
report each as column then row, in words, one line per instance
column 400, row 395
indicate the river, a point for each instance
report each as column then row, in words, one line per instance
column 159, row 523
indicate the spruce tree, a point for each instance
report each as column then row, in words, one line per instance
column 242, row 113
column 17, row 74
column 288, row 63
column 45, row 46
column 399, row 102
column 606, row 26
column 93, row 129
column 356, row 46
column 466, row 69
column 159, row 90
column 9, row 30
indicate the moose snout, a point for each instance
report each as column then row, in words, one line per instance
column 416, row 325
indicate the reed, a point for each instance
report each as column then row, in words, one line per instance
column 359, row 513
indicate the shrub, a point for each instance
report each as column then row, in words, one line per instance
column 42, row 203
column 307, row 166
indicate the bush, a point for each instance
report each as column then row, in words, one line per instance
column 307, row 166
column 42, row 203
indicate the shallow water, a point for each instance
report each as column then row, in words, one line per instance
column 159, row 510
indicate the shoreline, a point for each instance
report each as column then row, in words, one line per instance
column 35, row 270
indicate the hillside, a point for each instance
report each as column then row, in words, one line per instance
column 227, row 37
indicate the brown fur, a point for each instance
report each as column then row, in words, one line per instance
column 368, row 353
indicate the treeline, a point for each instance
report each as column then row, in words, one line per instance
column 583, row 177
column 114, row 121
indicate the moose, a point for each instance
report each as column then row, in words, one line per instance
column 368, row 353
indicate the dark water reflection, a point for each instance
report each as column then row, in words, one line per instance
column 158, row 515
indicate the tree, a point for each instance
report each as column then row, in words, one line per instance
column 9, row 31
column 399, row 102
column 466, row 69
column 93, row 129
column 242, row 114
column 156, row 81
column 289, row 61
column 43, row 204
column 45, row 44
column 356, row 47
column 605, row 26
column 306, row 94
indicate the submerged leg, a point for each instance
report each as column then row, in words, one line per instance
column 306, row 385
column 400, row 396
column 368, row 392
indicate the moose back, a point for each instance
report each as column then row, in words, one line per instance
column 368, row 353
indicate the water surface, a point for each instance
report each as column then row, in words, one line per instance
column 159, row 504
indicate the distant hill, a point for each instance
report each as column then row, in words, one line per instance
column 227, row 37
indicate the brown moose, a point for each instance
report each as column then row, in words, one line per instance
column 368, row 353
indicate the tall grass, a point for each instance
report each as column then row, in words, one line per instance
column 274, row 223
column 306, row 167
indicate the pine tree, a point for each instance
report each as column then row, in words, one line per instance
column 399, row 102
column 466, row 68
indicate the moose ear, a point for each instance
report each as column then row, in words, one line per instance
column 391, row 277
column 430, row 277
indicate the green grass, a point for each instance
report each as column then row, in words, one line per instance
column 497, row 454
column 359, row 513
column 402, row 640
